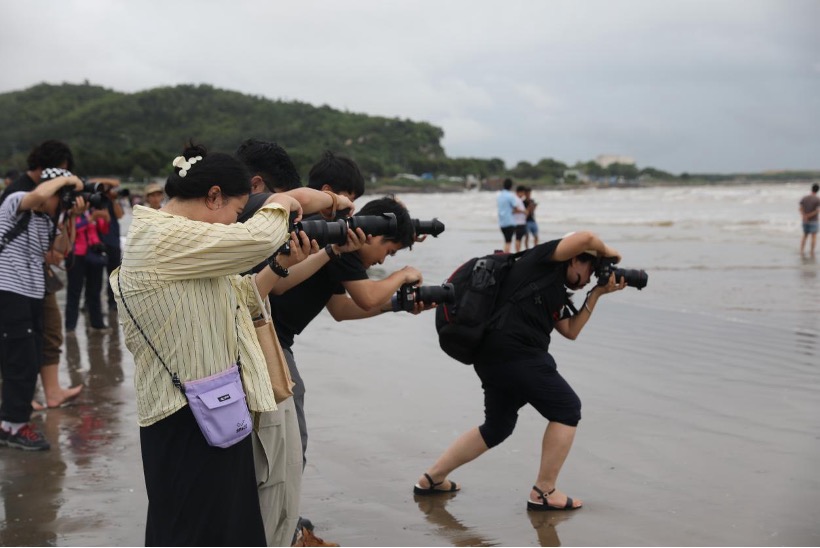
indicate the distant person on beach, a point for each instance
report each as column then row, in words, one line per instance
column 28, row 229
column 516, row 368
column 193, row 311
column 520, row 218
column 507, row 204
column 49, row 154
column 532, row 225
column 809, row 208
column 154, row 194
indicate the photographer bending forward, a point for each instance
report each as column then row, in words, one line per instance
column 516, row 368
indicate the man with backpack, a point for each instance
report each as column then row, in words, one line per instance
column 513, row 361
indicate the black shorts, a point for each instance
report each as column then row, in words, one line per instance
column 519, row 231
column 511, row 385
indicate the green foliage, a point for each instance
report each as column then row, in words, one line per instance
column 129, row 134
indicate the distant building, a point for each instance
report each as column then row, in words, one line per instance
column 606, row 160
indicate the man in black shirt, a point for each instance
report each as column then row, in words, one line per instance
column 516, row 368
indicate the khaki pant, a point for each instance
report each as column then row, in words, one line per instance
column 277, row 456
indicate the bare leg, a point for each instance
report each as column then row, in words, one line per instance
column 467, row 447
column 555, row 447
column 506, row 247
column 56, row 395
column 803, row 244
column 813, row 243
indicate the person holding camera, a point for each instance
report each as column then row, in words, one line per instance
column 46, row 155
column 187, row 309
column 84, row 266
column 28, row 232
column 516, row 368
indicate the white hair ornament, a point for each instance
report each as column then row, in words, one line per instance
column 185, row 165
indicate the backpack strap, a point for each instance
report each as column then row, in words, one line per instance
column 16, row 230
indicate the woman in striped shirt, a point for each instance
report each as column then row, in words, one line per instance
column 180, row 280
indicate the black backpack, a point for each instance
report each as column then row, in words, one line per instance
column 477, row 283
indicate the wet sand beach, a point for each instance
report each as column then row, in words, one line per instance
column 701, row 417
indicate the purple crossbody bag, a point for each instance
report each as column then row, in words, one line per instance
column 217, row 401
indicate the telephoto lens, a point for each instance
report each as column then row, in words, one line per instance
column 433, row 227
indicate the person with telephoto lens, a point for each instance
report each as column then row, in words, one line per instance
column 27, row 232
column 186, row 309
column 516, row 368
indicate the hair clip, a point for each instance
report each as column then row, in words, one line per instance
column 185, row 165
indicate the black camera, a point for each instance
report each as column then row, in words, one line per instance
column 94, row 195
column 335, row 232
column 409, row 294
column 434, row 227
column 606, row 266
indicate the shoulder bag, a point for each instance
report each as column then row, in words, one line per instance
column 278, row 370
column 217, row 401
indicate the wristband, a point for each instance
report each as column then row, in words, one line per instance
column 332, row 254
column 332, row 215
column 278, row 269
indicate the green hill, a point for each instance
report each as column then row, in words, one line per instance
column 137, row 134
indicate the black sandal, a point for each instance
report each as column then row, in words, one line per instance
column 545, row 506
column 419, row 490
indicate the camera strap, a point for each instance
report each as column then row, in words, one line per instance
column 16, row 230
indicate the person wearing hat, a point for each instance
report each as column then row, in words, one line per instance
column 154, row 194
column 516, row 368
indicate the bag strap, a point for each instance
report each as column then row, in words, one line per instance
column 19, row 227
column 174, row 376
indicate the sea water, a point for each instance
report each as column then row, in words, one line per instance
column 730, row 251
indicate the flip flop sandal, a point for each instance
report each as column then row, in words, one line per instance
column 419, row 490
column 546, row 506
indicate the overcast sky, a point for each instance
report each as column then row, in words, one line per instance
column 698, row 86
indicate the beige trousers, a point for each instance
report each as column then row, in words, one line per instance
column 277, row 456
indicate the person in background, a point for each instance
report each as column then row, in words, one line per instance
column 154, row 194
column 22, row 289
column 520, row 218
column 809, row 208
column 532, row 226
column 507, row 205
column 84, row 266
column 10, row 176
column 111, row 239
column 46, row 155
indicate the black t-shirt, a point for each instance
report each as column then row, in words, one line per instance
column 526, row 327
column 295, row 309
column 23, row 183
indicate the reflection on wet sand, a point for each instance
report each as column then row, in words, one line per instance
column 66, row 495
column 454, row 532
column 434, row 508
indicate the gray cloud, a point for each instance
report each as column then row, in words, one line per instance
column 722, row 85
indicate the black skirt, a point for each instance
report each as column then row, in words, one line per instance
column 198, row 495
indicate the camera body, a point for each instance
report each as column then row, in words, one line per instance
column 408, row 295
column 605, row 266
column 94, row 195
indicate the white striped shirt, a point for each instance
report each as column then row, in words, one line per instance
column 21, row 261
column 180, row 281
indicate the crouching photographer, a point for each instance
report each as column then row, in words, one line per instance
column 28, row 231
column 515, row 365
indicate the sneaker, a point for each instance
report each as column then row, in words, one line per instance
column 28, row 439
column 305, row 537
